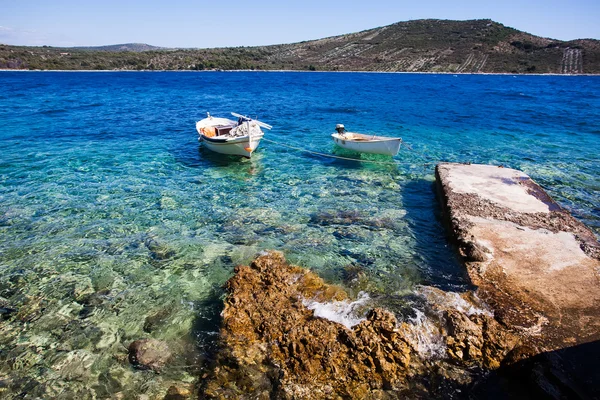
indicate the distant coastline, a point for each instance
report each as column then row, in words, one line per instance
column 298, row 71
column 421, row 46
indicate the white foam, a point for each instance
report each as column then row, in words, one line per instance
column 441, row 300
column 426, row 337
column 342, row 312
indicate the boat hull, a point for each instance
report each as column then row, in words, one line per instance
column 223, row 142
column 242, row 146
column 384, row 146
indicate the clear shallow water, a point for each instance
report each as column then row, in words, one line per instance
column 115, row 225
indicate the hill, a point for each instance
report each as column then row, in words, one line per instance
column 475, row 46
column 134, row 47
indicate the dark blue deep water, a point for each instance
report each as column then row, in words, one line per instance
column 116, row 225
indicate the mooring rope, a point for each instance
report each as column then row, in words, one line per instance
column 339, row 157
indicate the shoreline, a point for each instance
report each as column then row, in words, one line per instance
column 298, row 71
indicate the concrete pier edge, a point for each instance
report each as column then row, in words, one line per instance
column 533, row 263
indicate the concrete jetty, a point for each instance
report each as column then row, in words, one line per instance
column 533, row 263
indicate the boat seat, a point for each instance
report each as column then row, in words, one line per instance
column 223, row 130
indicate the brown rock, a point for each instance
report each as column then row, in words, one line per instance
column 477, row 339
column 272, row 345
column 268, row 335
column 473, row 252
column 149, row 354
column 177, row 392
column 465, row 338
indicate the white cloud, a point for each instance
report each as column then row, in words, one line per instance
column 22, row 37
column 5, row 34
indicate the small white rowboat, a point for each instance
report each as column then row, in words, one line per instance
column 366, row 143
column 226, row 136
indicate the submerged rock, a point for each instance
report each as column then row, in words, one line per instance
column 178, row 392
column 157, row 319
column 158, row 250
column 351, row 218
column 273, row 346
column 5, row 310
column 149, row 354
column 75, row 365
column 32, row 309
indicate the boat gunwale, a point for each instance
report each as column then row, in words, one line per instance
column 231, row 139
column 373, row 139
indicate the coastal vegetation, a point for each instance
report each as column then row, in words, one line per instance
column 474, row 46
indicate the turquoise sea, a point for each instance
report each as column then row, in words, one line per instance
column 116, row 225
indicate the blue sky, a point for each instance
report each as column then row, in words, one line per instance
column 185, row 23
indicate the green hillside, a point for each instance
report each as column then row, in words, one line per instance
column 475, row 46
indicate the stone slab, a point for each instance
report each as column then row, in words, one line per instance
column 534, row 264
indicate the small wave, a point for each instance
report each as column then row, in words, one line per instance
column 514, row 95
column 343, row 312
column 339, row 110
column 54, row 111
column 452, row 300
column 425, row 336
column 86, row 106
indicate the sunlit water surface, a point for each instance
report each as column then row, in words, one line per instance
column 116, row 225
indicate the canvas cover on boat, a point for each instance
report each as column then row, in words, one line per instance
column 212, row 121
column 245, row 128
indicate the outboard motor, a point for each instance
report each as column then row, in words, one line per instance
column 340, row 128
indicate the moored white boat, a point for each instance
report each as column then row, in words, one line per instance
column 366, row 143
column 227, row 136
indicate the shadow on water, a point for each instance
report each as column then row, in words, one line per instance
column 198, row 157
column 208, row 157
column 208, row 322
column 569, row 373
column 352, row 160
column 354, row 164
column 440, row 263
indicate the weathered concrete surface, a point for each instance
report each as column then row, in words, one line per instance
column 533, row 263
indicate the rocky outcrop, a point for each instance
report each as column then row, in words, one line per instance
column 477, row 340
column 273, row 346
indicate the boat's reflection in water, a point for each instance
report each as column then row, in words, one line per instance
column 236, row 165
